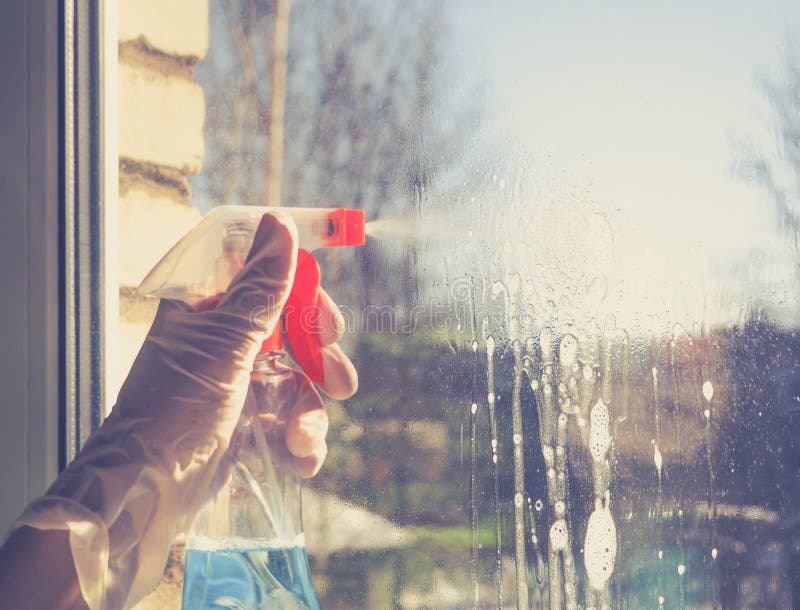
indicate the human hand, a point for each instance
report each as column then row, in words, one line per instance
column 142, row 476
column 305, row 427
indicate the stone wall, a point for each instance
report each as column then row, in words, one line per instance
column 161, row 114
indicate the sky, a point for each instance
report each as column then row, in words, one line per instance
column 640, row 106
column 636, row 109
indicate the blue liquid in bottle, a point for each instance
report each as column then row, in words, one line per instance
column 246, row 549
column 247, row 575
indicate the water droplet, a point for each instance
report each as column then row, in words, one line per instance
column 546, row 342
column 490, row 398
column 660, row 554
column 474, row 346
column 474, row 408
column 681, row 569
column 517, row 438
column 658, row 459
column 538, row 505
column 660, row 600
column 559, row 538
column 600, row 547
column 713, row 553
column 707, row 413
column 610, row 325
column 708, row 391
column 494, row 444
column 599, row 437
column 498, row 290
column 568, row 350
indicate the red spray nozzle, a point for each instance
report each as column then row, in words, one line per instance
column 345, row 227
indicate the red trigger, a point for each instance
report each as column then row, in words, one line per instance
column 302, row 316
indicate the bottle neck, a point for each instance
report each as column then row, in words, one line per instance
column 268, row 360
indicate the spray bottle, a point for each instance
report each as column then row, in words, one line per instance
column 246, row 548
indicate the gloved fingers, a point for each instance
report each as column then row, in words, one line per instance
column 257, row 294
column 210, row 352
column 308, row 466
column 167, row 308
column 269, row 232
column 305, row 431
column 331, row 321
column 307, row 423
column 221, row 476
column 208, row 303
column 341, row 377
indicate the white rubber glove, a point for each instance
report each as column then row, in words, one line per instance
column 141, row 478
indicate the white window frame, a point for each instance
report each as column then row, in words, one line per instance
column 91, row 288
column 39, row 239
column 29, row 251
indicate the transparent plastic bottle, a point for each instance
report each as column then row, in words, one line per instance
column 247, row 549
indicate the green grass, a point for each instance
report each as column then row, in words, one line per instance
column 454, row 537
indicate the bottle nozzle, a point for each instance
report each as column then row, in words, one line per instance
column 345, row 227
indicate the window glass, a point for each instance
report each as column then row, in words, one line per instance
column 575, row 315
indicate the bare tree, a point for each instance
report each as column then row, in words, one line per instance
column 277, row 103
column 366, row 123
column 778, row 170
